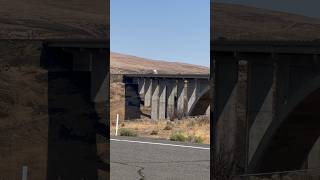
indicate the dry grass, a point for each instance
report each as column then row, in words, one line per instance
column 192, row 127
column 122, row 63
column 116, row 101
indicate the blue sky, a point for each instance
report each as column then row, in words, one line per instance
column 172, row 30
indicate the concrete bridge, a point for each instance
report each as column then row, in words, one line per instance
column 266, row 102
column 78, row 96
column 168, row 95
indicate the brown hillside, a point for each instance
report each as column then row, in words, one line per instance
column 250, row 23
column 53, row 19
column 121, row 63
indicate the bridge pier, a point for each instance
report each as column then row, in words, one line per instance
column 193, row 92
column 141, row 88
column 262, row 100
column 148, row 92
column 78, row 95
column 155, row 100
column 181, row 95
column 163, row 99
column 171, row 98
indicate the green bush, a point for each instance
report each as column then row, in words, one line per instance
column 127, row 132
column 177, row 136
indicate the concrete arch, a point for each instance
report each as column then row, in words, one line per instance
column 201, row 104
column 288, row 140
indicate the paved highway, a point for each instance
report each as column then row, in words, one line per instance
column 135, row 158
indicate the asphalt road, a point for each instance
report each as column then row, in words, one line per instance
column 135, row 158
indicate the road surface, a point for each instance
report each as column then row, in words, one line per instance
column 134, row 158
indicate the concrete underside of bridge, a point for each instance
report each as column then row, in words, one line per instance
column 77, row 108
column 266, row 116
column 72, row 129
column 168, row 96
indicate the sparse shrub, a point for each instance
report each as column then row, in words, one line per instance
column 195, row 139
column 191, row 124
column 178, row 136
column 127, row 132
column 154, row 132
column 168, row 126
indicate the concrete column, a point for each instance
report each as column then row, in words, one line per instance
column 193, row 92
column 314, row 156
column 155, row 100
column 171, row 95
column 163, row 99
column 82, row 61
column 141, row 87
column 208, row 111
column 261, row 105
column 181, row 98
column 148, row 92
column 99, row 81
column 232, row 121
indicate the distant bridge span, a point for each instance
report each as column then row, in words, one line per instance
column 168, row 95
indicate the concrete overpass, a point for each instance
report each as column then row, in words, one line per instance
column 168, row 95
column 266, row 98
column 78, row 96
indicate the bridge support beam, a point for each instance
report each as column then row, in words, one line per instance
column 148, row 92
column 99, row 80
column 232, row 114
column 141, row 87
column 193, row 92
column 314, row 156
column 163, row 99
column 181, row 93
column 155, row 100
column 171, row 98
column 261, row 105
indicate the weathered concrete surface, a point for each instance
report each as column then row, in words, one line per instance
column 148, row 92
column 171, row 98
column 193, row 92
column 141, row 88
column 181, row 94
column 155, row 100
column 265, row 108
column 162, row 99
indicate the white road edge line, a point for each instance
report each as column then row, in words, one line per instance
column 161, row 144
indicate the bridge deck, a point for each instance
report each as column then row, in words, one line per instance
column 169, row 76
column 80, row 43
column 67, row 43
column 292, row 47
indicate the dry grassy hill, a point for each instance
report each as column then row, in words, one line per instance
column 121, row 63
column 54, row 19
column 250, row 23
